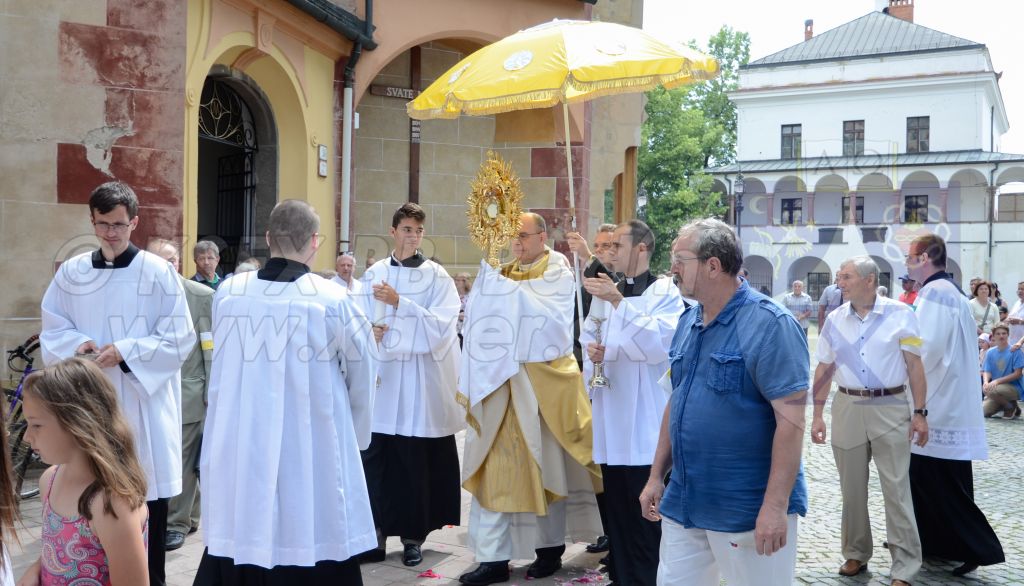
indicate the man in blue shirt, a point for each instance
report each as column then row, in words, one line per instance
column 1002, row 376
column 733, row 431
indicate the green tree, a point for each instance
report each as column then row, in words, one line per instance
column 686, row 131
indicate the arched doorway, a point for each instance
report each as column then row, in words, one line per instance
column 885, row 274
column 759, row 275
column 958, row 275
column 237, row 171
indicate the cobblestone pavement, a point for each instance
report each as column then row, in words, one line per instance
column 999, row 487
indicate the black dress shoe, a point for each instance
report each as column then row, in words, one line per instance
column 412, row 554
column 486, row 573
column 372, row 556
column 173, row 540
column 600, row 546
column 966, row 568
column 543, row 567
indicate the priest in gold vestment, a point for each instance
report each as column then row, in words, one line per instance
column 528, row 458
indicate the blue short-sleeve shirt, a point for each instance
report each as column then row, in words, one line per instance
column 1000, row 363
column 722, row 424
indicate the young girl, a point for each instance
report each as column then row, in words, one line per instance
column 94, row 513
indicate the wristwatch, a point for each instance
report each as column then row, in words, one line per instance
column 921, row 412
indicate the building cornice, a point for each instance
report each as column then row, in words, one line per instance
column 941, row 158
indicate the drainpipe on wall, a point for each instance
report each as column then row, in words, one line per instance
column 344, row 237
column 992, row 189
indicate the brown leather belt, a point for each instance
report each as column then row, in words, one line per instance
column 873, row 392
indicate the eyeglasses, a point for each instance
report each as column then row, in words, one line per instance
column 678, row 260
column 525, row 235
column 107, row 226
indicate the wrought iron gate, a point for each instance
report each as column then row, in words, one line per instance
column 816, row 283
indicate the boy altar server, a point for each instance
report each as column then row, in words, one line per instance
column 412, row 464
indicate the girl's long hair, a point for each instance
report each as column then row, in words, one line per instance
column 8, row 501
column 85, row 403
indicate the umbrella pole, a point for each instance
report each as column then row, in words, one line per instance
column 572, row 214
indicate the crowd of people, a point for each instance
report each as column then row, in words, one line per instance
column 319, row 415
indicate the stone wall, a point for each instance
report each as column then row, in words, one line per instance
column 90, row 91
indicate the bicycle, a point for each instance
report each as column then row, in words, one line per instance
column 22, row 455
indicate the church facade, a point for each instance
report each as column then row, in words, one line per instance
column 214, row 110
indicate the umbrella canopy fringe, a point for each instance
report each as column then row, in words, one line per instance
column 606, row 87
column 546, row 98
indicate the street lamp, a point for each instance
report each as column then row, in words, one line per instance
column 641, row 203
column 738, row 189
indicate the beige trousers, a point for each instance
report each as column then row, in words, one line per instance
column 1007, row 392
column 876, row 428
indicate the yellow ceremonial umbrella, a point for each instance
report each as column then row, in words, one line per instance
column 563, row 61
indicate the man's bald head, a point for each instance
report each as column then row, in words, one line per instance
column 167, row 250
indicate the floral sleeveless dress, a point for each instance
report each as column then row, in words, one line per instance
column 72, row 555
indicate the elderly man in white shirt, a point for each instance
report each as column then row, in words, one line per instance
column 345, row 266
column 871, row 345
column 799, row 304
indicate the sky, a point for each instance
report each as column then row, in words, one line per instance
column 774, row 25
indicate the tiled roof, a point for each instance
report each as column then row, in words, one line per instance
column 871, row 35
column 873, row 161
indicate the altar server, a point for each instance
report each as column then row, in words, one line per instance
column 412, row 464
column 950, row 524
column 640, row 315
column 126, row 309
column 291, row 395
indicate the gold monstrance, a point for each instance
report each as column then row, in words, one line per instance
column 494, row 207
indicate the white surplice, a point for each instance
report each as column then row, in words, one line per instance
column 636, row 335
column 956, row 428
column 509, row 323
column 291, row 397
column 419, row 354
column 141, row 309
column 1016, row 330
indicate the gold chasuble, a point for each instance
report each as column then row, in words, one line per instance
column 535, row 439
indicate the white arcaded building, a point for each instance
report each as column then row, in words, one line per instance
column 900, row 120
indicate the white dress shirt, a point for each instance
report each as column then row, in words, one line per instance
column 867, row 351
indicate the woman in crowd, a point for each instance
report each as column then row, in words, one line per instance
column 985, row 312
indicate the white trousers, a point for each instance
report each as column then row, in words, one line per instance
column 698, row 557
column 497, row 536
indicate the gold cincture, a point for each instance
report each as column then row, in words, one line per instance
column 494, row 207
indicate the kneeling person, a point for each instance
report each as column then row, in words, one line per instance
column 1002, row 375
